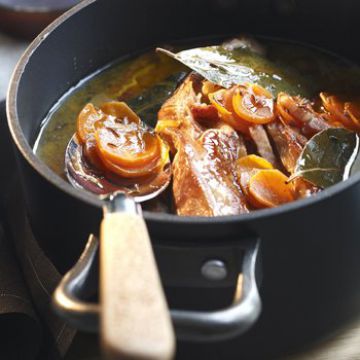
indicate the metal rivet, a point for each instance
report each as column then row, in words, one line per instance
column 214, row 270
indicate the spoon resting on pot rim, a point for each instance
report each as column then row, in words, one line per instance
column 115, row 156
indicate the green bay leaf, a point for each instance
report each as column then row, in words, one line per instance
column 239, row 61
column 329, row 157
column 215, row 64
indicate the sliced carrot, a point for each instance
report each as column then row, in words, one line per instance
column 259, row 90
column 352, row 109
column 332, row 104
column 115, row 140
column 91, row 155
column 254, row 105
column 127, row 145
column 135, row 172
column 250, row 162
column 283, row 110
column 244, row 179
column 222, row 100
column 217, row 99
column 85, row 126
column 209, row 87
column 234, row 120
column 138, row 171
column 121, row 111
column 269, row 188
column 335, row 106
column 247, row 166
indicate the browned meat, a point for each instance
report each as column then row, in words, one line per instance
column 205, row 114
column 205, row 182
column 288, row 144
column 299, row 112
column 204, row 177
column 242, row 147
column 262, row 142
column 175, row 115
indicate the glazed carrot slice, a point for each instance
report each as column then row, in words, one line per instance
column 250, row 162
column 235, row 121
column 247, row 166
column 91, row 154
column 352, row 109
column 283, row 111
column 217, row 99
column 123, row 141
column 222, row 100
column 121, row 111
column 85, row 126
column 137, row 170
column 115, row 140
column 336, row 109
column 269, row 188
column 208, row 87
column 253, row 104
column 127, row 145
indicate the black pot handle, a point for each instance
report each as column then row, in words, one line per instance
column 220, row 324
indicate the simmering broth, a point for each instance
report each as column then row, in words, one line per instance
column 144, row 82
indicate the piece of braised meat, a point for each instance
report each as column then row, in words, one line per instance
column 205, row 182
column 260, row 137
column 288, row 143
column 297, row 111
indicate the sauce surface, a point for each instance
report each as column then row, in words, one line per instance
column 146, row 81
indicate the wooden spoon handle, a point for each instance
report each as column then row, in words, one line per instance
column 135, row 320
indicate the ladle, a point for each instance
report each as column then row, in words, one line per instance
column 135, row 320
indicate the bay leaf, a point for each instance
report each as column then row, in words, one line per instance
column 215, row 64
column 236, row 62
column 329, row 157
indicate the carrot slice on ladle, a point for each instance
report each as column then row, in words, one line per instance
column 128, row 145
column 85, row 125
column 120, row 110
column 116, row 140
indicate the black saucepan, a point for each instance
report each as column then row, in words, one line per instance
column 309, row 249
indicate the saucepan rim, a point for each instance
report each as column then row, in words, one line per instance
column 33, row 9
column 43, row 170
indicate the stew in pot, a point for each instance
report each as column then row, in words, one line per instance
column 247, row 125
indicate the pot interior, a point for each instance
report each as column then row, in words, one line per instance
column 80, row 43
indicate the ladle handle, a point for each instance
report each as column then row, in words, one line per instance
column 135, row 320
